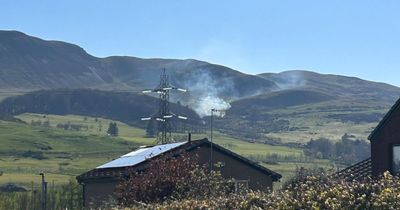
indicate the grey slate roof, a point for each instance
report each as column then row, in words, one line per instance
column 358, row 171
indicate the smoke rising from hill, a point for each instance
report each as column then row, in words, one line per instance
column 291, row 80
column 206, row 92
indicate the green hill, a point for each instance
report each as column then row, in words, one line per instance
column 335, row 85
column 28, row 63
column 27, row 149
column 276, row 100
column 122, row 106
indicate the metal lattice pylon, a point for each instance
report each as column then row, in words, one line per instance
column 164, row 114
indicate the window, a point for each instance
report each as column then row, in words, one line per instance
column 396, row 159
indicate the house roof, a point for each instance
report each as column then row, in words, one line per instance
column 384, row 120
column 140, row 155
column 117, row 167
column 358, row 171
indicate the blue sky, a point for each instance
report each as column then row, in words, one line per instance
column 356, row 38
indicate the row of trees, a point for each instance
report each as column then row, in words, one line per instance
column 346, row 151
column 71, row 126
column 45, row 123
column 112, row 127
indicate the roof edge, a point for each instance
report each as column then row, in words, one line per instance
column 195, row 143
column 275, row 176
column 384, row 120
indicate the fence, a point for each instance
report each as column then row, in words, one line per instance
column 59, row 197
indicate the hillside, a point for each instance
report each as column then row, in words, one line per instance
column 26, row 148
column 122, row 106
column 309, row 105
column 276, row 100
column 335, row 85
column 29, row 63
column 289, row 106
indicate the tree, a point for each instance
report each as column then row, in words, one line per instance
column 112, row 129
column 168, row 177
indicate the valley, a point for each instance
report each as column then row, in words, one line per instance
column 63, row 154
column 57, row 101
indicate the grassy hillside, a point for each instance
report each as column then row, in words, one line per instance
column 31, row 63
column 299, row 124
column 62, row 154
column 336, row 85
column 26, row 150
column 123, row 106
column 276, row 100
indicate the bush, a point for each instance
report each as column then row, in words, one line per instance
column 172, row 178
column 312, row 192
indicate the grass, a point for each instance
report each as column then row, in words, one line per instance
column 313, row 121
column 245, row 148
column 62, row 154
column 70, row 153
column 96, row 126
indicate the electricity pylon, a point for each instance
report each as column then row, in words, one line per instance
column 164, row 114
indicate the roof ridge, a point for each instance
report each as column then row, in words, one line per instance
column 192, row 145
column 384, row 120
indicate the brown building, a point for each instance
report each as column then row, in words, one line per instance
column 385, row 148
column 99, row 184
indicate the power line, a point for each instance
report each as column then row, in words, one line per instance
column 164, row 115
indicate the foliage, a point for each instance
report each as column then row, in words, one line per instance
column 72, row 127
column 274, row 158
column 344, row 151
column 171, row 178
column 112, row 129
column 313, row 192
column 66, row 196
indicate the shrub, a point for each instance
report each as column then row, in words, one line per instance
column 312, row 192
column 171, row 178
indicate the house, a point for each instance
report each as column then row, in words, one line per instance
column 385, row 149
column 99, row 184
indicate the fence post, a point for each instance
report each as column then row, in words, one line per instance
column 43, row 195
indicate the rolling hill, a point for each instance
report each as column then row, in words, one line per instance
column 278, row 99
column 289, row 106
column 122, row 106
column 335, row 85
column 29, row 63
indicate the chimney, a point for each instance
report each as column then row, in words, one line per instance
column 189, row 137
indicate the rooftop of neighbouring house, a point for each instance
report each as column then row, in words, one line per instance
column 140, row 155
column 117, row 167
column 358, row 171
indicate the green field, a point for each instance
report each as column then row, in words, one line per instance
column 25, row 150
column 313, row 121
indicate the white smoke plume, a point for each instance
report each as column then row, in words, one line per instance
column 291, row 80
column 205, row 104
column 206, row 92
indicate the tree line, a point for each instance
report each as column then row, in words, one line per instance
column 345, row 151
